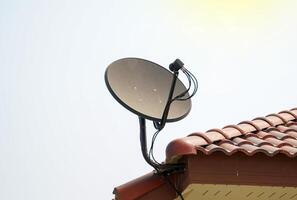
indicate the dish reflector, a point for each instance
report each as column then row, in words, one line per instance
column 143, row 88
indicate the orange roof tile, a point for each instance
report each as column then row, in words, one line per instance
column 271, row 135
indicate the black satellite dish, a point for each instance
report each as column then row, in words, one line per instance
column 151, row 92
column 143, row 87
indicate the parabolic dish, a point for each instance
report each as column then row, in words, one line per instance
column 143, row 88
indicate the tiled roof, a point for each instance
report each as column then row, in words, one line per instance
column 271, row 135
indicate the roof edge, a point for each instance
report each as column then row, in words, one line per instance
column 138, row 187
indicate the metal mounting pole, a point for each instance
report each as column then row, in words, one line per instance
column 143, row 142
column 160, row 168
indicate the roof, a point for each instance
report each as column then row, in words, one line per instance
column 271, row 135
column 275, row 134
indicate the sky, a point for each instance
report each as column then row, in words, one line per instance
column 63, row 136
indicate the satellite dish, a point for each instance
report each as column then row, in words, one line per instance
column 152, row 92
column 143, row 87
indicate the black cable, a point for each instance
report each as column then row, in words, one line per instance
column 195, row 81
column 192, row 81
column 151, row 153
column 174, row 187
column 186, row 91
column 191, row 78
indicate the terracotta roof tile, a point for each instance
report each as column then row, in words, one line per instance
column 240, row 141
column 271, row 135
column 291, row 141
column 277, row 143
column 250, row 149
column 278, row 134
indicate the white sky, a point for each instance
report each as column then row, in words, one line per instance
column 63, row 136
